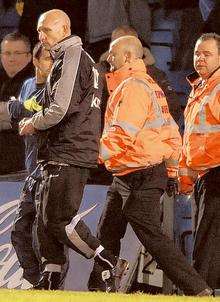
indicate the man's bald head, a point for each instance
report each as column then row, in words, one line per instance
column 53, row 26
column 124, row 50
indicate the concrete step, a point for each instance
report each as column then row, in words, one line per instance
column 163, row 37
column 160, row 21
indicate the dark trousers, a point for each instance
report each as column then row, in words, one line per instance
column 21, row 235
column 59, row 198
column 206, row 252
column 135, row 198
column 23, row 238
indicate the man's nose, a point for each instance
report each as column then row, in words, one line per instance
column 42, row 36
column 109, row 58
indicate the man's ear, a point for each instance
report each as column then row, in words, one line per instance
column 128, row 57
column 66, row 30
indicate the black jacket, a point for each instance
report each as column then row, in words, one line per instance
column 11, row 144
column 71, row 116
column 12, row 86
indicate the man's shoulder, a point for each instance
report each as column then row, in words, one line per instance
column 86, row 58
column 136, row 83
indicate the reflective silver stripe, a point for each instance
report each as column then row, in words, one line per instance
column 63, row 89
column 187, row 172
column 104, row 152
column 203, row 127
column 50, row 267
column 69, row 227
column 116, row 91
column 159, row 121
column 74, row 236
column 80, row 244
column 171, row 162
column 131, row 165
column 127, row 127
column 156, row 123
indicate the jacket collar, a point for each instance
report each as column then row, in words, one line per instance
column 60, row 47
column 134, row 69
column 195, row 80
column 27, row 71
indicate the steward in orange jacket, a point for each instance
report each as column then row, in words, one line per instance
column 201, row 142
column 139, row 138
column 200, row 159
column 139, row 131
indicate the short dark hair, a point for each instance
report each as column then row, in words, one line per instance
column 17, row 36
column 6, row 4
column 210, row 36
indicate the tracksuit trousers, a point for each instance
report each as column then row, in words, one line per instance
column 58, row 200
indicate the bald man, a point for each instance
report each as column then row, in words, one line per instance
column 140, row 145
column 158, row 75
column 69, row 128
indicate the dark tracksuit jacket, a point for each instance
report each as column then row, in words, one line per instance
column 69, row 126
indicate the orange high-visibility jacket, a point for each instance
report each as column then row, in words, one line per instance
column 201, row 142
column 139, row 131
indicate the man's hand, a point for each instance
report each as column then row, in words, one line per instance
column 172, row 187
column 26, row 127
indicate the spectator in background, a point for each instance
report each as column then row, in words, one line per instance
column 190, row 18
column 104, row 16
column 206, row 6
column 210, row 10
column 17, row 67
column 9, row 18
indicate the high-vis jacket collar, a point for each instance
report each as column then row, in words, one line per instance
column 136, row 68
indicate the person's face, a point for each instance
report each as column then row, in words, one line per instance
column 44, row 63
column 206, row 57
column 116, row 57
column 15, row 55
column 50, row 31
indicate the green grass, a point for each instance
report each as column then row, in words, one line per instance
column 7, row 295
